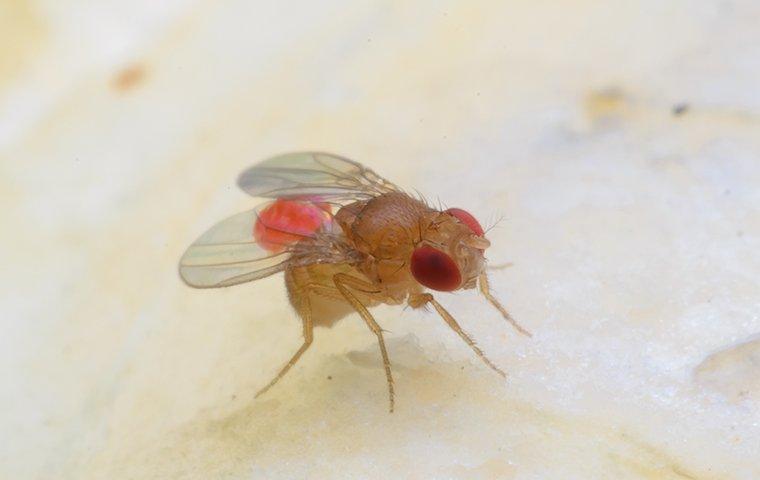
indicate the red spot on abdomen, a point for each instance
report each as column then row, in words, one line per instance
column 285, row 222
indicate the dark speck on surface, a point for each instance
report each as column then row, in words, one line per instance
column 680, row 109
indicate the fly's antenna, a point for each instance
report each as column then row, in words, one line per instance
column 494, row 224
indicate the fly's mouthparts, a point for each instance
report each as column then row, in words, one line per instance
column 476, row 241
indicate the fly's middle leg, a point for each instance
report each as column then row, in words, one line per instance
column 343, row 282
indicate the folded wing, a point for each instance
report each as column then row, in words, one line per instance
column 230, row 252
column 313, row 175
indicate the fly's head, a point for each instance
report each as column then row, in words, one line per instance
column 449, row 255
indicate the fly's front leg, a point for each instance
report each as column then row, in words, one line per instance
column 486, row 291
column 421, row 299
column 342, row 283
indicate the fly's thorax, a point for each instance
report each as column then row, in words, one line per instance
column 385, row 227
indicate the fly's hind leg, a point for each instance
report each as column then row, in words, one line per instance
column 420, row 300
column 304, row 311
column 342, row 282
column 486, row 291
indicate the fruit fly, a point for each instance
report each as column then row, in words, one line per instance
column 346, row 240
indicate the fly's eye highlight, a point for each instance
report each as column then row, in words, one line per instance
column 466, row 218
column 435, row 269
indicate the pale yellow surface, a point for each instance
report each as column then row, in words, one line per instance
column 634, row 232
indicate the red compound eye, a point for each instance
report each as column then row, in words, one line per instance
column 285, row 222
column 467, row 219
column 434, row 269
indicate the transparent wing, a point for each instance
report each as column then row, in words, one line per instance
column 227, row 254
column 313, row 175
column 263, row 241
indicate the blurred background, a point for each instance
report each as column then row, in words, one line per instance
column 619, row 141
